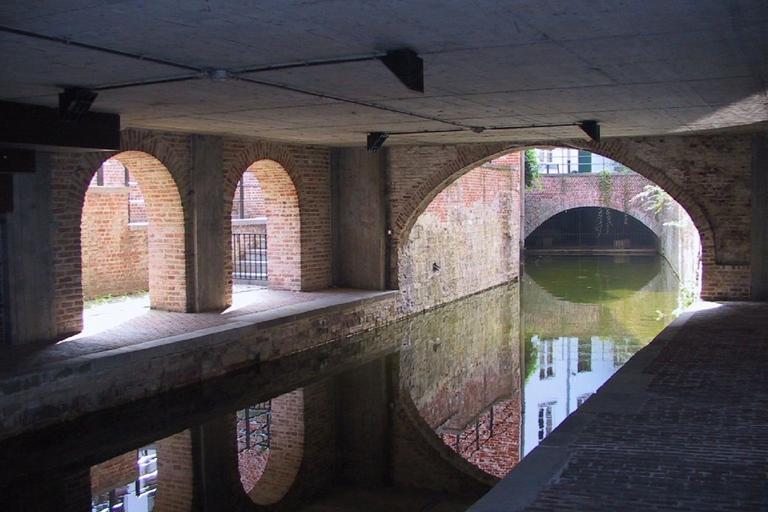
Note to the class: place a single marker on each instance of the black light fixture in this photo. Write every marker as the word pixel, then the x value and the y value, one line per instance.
pixel 75 102
pixel 591 128
pixel 406 66
pixel 375 140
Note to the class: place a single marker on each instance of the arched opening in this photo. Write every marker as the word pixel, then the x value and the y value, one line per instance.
pixel 274 207
pixel 114 234
pixel 581 202
pixel 154 478
pixel 143 239
pixel 592 229
pixel 270 445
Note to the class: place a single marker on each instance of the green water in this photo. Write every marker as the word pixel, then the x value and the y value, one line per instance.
pixel 583 317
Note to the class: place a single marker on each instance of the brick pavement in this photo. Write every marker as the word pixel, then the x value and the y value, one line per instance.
pixel 683 427
pixel 130 329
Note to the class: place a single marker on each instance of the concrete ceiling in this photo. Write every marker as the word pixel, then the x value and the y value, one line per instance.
pixel 638 67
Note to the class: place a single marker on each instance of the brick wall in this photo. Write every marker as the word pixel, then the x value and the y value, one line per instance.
pixel 295 181
pixel 114 254
pixel 466 239
pixel 174 473
pixel 113 473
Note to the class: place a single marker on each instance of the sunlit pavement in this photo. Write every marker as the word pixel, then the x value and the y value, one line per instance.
pixel 682 426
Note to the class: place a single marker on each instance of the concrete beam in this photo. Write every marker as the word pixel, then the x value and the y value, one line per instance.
pixel 359 218
pixel 759 225
pixel 36 127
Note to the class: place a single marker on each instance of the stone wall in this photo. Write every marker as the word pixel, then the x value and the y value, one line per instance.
pixel 466 240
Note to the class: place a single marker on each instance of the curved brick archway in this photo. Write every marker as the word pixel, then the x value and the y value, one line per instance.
pixel 283 225
pixel 651 158
pixel 298 232
pixel 268 477
pixel 561 193
pixel 165 230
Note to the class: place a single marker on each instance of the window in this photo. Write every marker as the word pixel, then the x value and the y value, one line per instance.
pixel 585 355
pixel 545 419
pixel 546 359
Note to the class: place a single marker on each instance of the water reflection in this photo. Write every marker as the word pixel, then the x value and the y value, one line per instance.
pixel 584 317
pixel 448 382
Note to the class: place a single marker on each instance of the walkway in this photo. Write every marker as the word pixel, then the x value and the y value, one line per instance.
pixel 682 426
pixel 122 324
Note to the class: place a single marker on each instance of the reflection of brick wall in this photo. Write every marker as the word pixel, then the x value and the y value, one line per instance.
pixel 174 473
pixel 114 254
pixel 499 442
pixel 113 473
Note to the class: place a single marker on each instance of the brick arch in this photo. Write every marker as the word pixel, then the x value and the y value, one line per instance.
pixel 71 176
pixel 406 211
pixel 268 480
pixel 277 173
pixel 621 151
pixel 165 230
pixel 559 195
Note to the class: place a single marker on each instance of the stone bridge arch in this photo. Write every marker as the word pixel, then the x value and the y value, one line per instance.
pixel 569 191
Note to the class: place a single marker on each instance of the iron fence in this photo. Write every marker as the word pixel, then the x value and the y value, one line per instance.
pixel 249 258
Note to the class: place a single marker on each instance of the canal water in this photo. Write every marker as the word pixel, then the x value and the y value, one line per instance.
pixel 491 375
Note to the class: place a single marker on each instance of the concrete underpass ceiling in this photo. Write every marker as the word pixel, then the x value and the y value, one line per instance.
pixel 638 67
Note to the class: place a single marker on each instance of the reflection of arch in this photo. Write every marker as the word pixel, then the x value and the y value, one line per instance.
pixel 277 471
pixel 174 473
pixel 165 232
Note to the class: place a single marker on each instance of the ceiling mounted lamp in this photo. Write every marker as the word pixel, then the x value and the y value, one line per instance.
pixel 75 102
pixel 375 141
pixel 591 128
pixel 407 67
pixel 219 75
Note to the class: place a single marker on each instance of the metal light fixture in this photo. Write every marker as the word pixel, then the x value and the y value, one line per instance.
pixel 75 102
pixel 375 140
pixel 591 128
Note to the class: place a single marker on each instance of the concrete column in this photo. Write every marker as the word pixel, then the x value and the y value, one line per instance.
pixel 359 218
pixel 364 441
pixel 208 245
pixel 28 278
pixel 215 466
pixel 759 235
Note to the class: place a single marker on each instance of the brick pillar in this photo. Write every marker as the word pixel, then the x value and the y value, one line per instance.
pixel 28 271
pixel 759 235
pixel 207 237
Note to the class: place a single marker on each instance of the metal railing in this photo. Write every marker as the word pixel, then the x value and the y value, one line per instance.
pixel 494 422
pixel 253 424
pixel 249 258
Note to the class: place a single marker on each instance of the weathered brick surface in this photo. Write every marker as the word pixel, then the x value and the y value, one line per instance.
pixel 696 443
pixel 465 240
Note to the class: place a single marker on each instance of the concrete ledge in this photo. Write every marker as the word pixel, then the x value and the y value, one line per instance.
pixel 40 394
